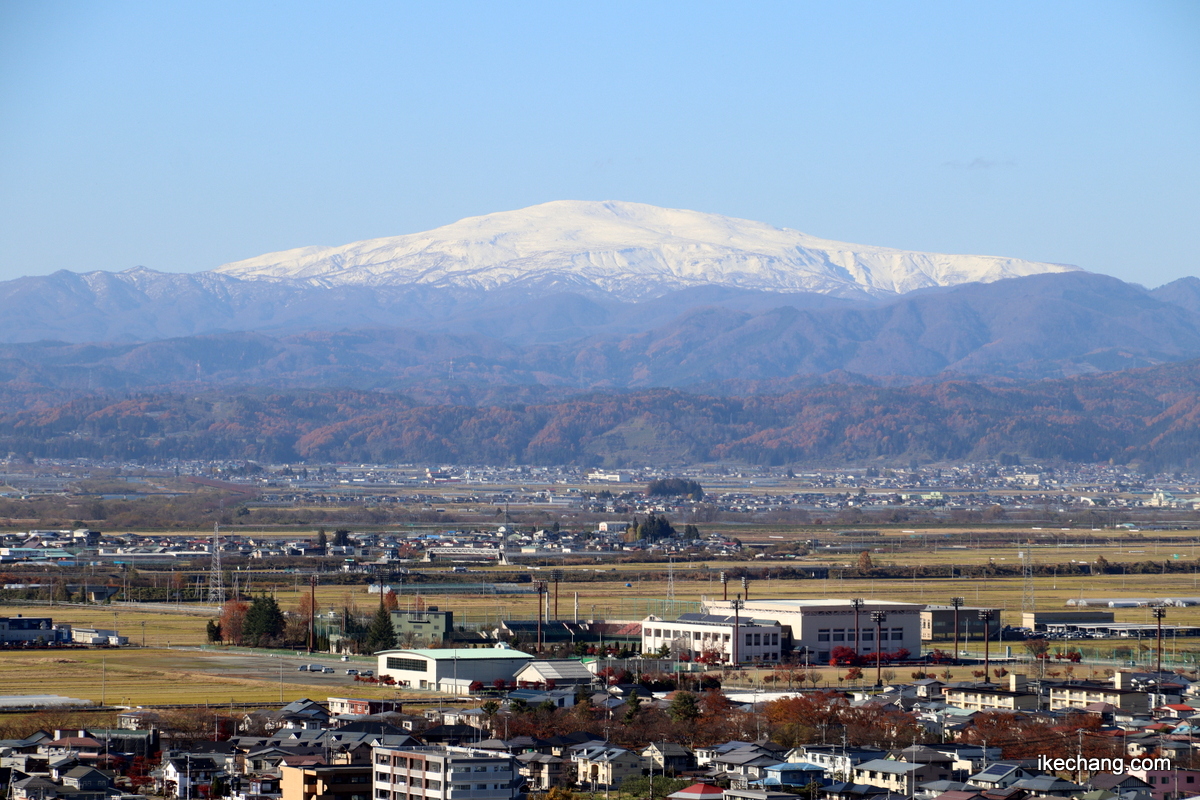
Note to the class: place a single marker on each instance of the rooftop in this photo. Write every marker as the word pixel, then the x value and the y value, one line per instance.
pixel 464 654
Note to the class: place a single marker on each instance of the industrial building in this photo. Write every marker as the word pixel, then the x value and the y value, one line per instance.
pixel 452 670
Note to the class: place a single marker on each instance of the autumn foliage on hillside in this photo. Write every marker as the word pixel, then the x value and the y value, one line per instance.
pixel 1151 416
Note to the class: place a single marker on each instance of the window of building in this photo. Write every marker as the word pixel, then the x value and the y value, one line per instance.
pixel 897 634
pixel 381 759
pixel 839 634
pixel 481 767
pixel 382 794
pixel 409 664
pixel 823 635
pixel 868 636
pixel 379 776
pixel 430 783
pixel 774 638
pixel 481 787
pixel 433 766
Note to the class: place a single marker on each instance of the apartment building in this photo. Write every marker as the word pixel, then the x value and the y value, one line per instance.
pixel 444 773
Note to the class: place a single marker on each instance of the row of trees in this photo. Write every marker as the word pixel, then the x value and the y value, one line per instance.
pixel 261 623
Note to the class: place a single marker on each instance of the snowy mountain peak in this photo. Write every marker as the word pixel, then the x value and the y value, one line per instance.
pixel 631 250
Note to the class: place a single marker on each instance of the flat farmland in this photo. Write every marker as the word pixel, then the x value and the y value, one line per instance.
pixel 172 667
pixel 152 676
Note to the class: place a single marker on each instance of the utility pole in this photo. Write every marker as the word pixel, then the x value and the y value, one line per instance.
pixel 878 617
pixel 858 604
pixel 312 612
pixel 957 602
pixel 986 616
pixel 1159 612
pixel 737 629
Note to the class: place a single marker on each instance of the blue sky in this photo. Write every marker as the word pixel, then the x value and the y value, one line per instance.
pixel 181 136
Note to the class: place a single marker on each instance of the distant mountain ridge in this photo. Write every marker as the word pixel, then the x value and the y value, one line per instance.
pixel 1026 328
pixel 632 250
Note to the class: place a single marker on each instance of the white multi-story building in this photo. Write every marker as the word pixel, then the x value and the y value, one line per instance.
pixel 819 626
pixel 710 638
pixel 444 773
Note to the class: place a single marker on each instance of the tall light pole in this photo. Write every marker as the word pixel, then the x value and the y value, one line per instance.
pixel 540 586
pixel 1159 612
pixel 986 616
pixel 724 587
pixel 878 617
pixel 737 630
pixel 858 603
pixel 746 586
pixel 957 602
pixel 556 575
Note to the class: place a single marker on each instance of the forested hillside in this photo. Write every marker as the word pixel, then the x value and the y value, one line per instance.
pixel 1150 416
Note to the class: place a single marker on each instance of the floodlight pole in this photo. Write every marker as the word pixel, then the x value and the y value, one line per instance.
pixel 986 616
pixel 878 617
pixel 737 630
pixel 957 602
pixel 857 603
pixel 1159 612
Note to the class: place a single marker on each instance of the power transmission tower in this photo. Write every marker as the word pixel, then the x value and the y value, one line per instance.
pixel 216 577
pixel 1028 596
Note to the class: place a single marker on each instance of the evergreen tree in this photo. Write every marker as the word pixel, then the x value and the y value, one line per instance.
pixel 213 631
pixel 323 541
pixel 264 621
pixel 684 707
pixel 380 634
pixel 632 706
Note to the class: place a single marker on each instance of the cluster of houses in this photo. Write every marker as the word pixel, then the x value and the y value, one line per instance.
pixel 369 749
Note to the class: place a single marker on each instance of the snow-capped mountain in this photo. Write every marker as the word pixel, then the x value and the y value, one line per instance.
pixel 631 250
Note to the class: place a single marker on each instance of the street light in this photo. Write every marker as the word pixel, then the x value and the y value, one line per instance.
pixel 957 602
pixel 878 617
pixel 986 616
